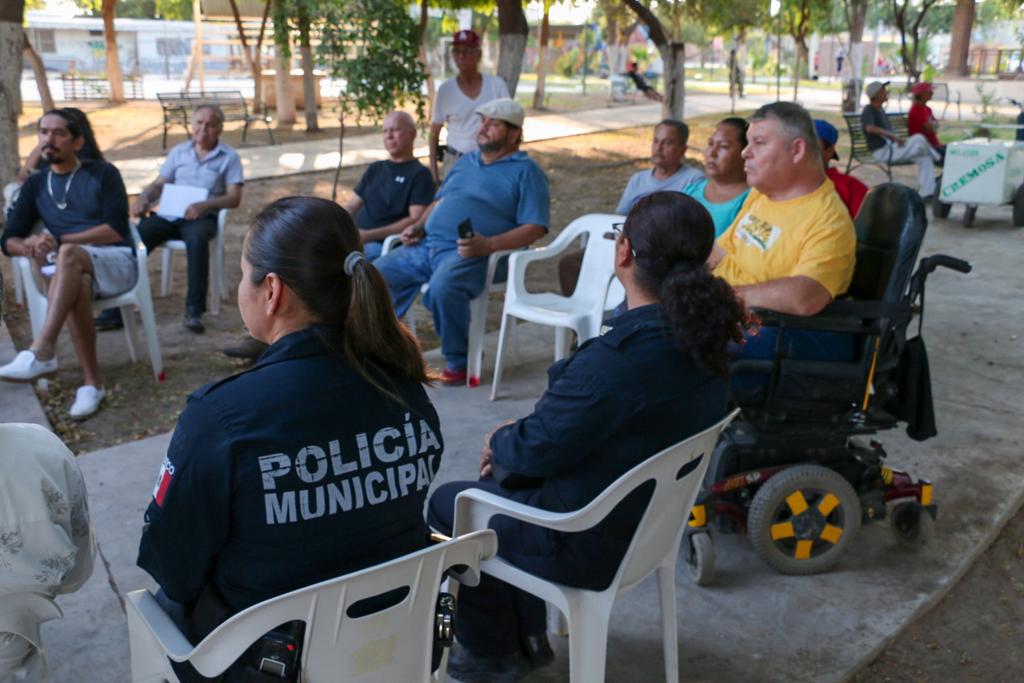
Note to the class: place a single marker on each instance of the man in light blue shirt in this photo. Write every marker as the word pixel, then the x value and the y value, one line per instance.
pixel 207 163
pixel 668 149
pixel 504 196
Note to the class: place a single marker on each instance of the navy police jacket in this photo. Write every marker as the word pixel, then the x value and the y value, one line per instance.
pixel 293 472
pixel 622 397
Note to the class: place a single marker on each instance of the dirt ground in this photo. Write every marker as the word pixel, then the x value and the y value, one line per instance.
pixel 974 633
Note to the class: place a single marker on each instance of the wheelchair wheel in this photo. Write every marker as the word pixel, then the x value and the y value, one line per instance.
pixel 940 209
pixel 912 526
pixel 802 519
pixel 699 553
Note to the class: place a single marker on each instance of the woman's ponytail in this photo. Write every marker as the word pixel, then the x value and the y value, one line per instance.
pixel 672 236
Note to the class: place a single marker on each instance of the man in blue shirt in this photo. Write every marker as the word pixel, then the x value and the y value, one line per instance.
pixel 86 243
pixel 394 192
pixel 204 162
pixel 669 172
pixel 505 196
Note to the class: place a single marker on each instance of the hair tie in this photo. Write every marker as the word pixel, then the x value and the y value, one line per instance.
pixel 351 260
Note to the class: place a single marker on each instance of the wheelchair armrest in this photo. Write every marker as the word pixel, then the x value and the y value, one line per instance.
pixel 844 315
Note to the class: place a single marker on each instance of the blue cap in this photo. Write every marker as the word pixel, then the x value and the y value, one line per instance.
pixel 827 133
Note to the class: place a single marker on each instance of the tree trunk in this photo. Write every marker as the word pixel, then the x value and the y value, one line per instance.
pixel 853 77
pixel 308 77
pixel 960 38
pixel 40 74
pixel 674 57
pixel 11 13
pixel 424 8
pixel 513 29
pixel 253 60
pixel 800 68
pixel 283 88
pixel 542 61
pixel 113 59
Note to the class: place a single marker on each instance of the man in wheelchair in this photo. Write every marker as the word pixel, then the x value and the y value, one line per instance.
pixel 819 371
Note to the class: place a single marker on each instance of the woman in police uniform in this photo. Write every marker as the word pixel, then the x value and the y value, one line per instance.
pixel 654 377
pixel 313 463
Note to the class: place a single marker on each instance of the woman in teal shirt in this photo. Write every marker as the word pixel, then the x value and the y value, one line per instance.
pixel 725 188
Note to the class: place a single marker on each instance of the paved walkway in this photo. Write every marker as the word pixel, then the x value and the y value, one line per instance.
pixel 321 155
pixel 819 628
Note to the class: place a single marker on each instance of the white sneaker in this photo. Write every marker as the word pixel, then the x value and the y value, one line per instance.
pixel 87 402
pixel 26 367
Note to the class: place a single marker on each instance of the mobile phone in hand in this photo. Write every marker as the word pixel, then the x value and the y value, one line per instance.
pixel 466 229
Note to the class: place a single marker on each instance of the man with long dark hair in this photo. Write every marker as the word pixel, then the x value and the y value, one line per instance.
pixel 86 250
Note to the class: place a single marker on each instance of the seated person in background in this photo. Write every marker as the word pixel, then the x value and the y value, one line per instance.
pixel 46 540
pixel 921 120
pixel 35 162
pixel 392 193
pixel 725 188
pixel 668 152
pixel 207 163
pixel 849 189
pixel 85 210
pixel 886 146
pixel 505 195
pixel 254 497
pixel 653 378
pixel 633 71
pixel 792 247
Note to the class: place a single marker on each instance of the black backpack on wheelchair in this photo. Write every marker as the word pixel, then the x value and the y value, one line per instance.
pixel 795 471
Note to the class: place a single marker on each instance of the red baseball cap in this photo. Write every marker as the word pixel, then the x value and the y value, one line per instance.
pixel 922 88
pixel 466 38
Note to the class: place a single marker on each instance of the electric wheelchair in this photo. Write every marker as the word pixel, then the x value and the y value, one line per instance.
pixel 797 471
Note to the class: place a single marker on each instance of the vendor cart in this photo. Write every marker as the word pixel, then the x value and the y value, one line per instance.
pixel 982 171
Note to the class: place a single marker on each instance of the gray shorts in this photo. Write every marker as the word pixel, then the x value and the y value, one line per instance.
pixel 114 269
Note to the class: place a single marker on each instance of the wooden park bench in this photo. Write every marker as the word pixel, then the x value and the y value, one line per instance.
pixel 860 153
pixel 178 107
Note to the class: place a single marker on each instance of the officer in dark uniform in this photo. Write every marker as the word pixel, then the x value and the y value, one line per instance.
pixel 654 377
pixel 316 461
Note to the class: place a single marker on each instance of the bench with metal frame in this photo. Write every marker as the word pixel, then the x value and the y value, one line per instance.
pixel 861 154
pixel 178 107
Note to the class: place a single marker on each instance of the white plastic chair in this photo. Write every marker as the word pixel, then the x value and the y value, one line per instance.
pixel 654 548
pixel 138 296
pixel 394 644
pixel 581 312
pixel 218 288
pixel 477 311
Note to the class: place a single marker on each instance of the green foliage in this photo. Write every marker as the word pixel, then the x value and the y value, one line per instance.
pixel 374 46
pixel 139 9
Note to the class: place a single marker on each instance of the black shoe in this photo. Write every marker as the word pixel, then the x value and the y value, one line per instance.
pixel 109 319
pixel 248 349
pixel 538 650
pixel 471 668
pixel 194 323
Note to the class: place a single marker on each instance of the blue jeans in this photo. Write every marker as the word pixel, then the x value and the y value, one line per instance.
pixel 454 282
pixel 372 250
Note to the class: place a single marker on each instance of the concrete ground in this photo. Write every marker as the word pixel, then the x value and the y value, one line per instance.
pixel 819 628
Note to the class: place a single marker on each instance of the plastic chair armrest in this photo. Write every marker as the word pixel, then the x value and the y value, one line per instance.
pixel 474 509
pixel 160 625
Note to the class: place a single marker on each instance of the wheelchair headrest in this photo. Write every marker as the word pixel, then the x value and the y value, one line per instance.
pixel 890 228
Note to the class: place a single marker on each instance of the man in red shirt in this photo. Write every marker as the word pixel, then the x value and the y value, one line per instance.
pixel 920 118
pixel 849 189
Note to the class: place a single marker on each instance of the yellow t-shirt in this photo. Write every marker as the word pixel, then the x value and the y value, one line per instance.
pixel 811 235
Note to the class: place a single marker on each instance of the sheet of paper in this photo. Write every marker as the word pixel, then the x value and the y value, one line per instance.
pixel 176 198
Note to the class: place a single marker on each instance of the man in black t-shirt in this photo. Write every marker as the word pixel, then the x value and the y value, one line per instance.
pixel 393 193
pixel 86 251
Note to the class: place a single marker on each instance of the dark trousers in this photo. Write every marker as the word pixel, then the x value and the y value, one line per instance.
pixel 494 617
pixel 196 235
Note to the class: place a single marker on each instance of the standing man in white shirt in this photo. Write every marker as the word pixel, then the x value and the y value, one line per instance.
pixel 457 101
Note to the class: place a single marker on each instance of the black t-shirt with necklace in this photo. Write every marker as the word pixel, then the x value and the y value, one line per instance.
pixel 71 202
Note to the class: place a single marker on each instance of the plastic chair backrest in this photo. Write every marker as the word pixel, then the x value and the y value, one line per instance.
pixel 678 472
pixel 598 267
pixel 890 228
pixel 393 644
